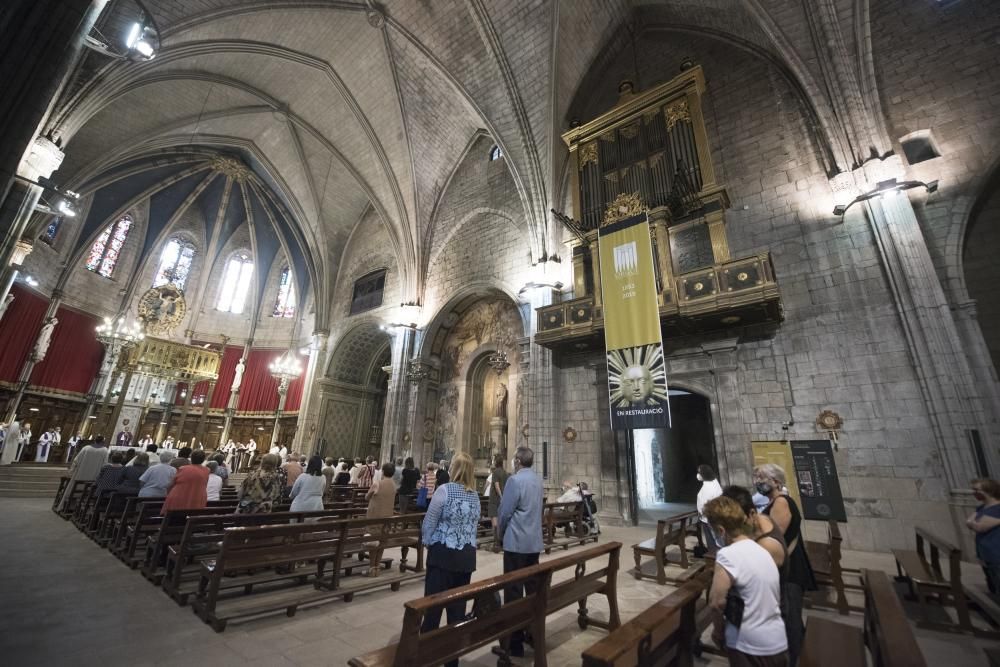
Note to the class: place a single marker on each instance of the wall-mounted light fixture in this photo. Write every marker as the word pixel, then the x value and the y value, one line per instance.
pixel 140 43
pixel 53 200
pixel 887 188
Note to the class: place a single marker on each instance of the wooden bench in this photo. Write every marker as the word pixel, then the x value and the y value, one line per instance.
pixel 76 493
pixel 490 621
pixel 171 529
pixel 571 518
pixel 887 633
pixel 138 532
pixel 663 634
pixel 63 486
pixel 371 538
pixel 290 548
pixel 108 517
pixel 927 577
pixel 202 538
pixel 122 524
pixel 670 531
pixel 825 560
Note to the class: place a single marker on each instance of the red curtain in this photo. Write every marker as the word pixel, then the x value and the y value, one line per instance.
pixel 294 400
pixel 227 371
pixel 74 356
pixel 18 330
pixel 259 391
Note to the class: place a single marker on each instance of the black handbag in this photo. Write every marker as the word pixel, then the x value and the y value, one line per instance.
pixel 733 611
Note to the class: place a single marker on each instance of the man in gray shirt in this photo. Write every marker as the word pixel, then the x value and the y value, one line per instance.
pixel 520 524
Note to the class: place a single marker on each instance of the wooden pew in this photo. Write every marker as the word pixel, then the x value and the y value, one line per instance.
pixel 670 531
pixel 84 505
pixel 663 634
pixel 170 532
pixel 927 578
pixel 825 560
pixel 287 547
pixel 121 525
pixel 887 633
pixel 146 525
pixel 76 493
pixel 202 538
pixel 107 518
pixel 63 486
pixel 372 537
pixel 491 621
pixel 569 516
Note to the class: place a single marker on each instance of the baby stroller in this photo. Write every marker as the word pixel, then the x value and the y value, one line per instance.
pixel 589 509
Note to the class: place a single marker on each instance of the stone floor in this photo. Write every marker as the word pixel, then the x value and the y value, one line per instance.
pixel 68 602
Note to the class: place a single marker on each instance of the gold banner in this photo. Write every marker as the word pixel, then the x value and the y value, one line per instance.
pixel 778 452
pixel 637 379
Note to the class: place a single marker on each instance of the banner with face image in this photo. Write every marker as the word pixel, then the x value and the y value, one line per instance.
pixel 637 377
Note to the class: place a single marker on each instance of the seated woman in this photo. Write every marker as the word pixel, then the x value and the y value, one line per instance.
pixel 307 491
pixel 213 485
pixel 746 591
pixel 261 490
pixel 109 475
pixel 190 488
pixel 343 477
pixel 157 479
pixel 129 481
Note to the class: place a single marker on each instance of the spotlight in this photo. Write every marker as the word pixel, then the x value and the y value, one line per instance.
pixel 31 281
pixel 886 189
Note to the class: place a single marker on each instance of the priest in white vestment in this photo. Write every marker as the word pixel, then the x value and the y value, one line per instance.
pixel 71 446
pixel 44 446
pixel 11 443
pixel 25 438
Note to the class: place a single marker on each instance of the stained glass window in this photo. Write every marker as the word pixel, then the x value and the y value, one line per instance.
pixel 495 153
pixel 49 235
pixel 285 304
pixel 108 247
pixel 236 284
pixel 175 263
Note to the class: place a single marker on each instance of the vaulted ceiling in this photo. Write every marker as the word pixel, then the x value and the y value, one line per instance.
pixel 344 105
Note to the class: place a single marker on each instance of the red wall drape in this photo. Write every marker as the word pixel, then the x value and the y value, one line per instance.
pixel 18 330
pixel 227 370
pixel 259 391
pixel 294 400
pixel 74 356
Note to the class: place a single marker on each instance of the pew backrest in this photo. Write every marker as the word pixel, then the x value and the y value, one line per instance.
pixel 888 633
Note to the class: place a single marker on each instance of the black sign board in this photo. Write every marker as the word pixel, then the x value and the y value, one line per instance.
pixel 819 486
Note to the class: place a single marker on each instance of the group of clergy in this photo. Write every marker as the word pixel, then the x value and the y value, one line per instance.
pixel 15 436
pixel 239 455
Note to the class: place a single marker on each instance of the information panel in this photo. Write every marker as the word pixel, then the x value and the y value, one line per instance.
pixel 819 486
pixel 779 453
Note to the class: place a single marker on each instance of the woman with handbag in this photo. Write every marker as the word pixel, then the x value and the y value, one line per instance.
pixel 746 589
pixel 449 532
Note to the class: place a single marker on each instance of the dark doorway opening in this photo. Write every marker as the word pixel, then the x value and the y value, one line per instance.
pixel 667 460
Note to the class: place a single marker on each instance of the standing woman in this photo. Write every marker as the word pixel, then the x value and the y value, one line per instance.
pixel 449 531
pixel 190 488
pixel 261 490
pixel 307 491
pixel 797 575
pixel 429 480
pixel 746 590
pixel 985 521
pixel 498 480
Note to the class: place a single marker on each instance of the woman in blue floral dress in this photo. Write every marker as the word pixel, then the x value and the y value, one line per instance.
pixel 449 533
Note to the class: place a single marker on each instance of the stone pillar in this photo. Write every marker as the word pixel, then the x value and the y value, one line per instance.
pixel 984 374
pixel 164 429
pixel 202 420
pixel 189 394
pixel 44 39
pixel 234 398
pixel 122 395
pixel 397 402
pixel 309 408
pixel 282 395
pixel 540 398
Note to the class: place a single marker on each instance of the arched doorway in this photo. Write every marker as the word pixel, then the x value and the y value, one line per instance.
pixel 667 460
pixel 353 393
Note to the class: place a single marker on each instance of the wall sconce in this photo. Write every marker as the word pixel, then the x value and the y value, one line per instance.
pixel 540 276
pixel 54 200
pixel 887 188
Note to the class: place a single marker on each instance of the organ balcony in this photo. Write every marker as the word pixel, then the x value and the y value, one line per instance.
pixel 650 153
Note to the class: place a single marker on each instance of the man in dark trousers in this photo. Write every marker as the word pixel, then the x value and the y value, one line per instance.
pixel 520 524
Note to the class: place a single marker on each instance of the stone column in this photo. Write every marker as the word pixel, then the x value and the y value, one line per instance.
pixel 397 401
pixel 122 395
pixel 189 394
pixel 310 406
pixel 164 430
pixel 45 40
pixel 234 397
pixel 202 420
pixel 282 395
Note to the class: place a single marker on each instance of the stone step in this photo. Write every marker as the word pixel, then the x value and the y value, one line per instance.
pixel 24 493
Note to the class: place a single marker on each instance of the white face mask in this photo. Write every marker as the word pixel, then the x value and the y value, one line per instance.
pixel 699 477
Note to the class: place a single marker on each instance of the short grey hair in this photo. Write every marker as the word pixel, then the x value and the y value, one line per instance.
pixel 770 471
pixel 166 457
pixel 212 466
pixel 525 456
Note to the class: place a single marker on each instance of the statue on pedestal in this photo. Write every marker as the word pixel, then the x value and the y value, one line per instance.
pixel 44 338
pixel 500 400
pixel 238 377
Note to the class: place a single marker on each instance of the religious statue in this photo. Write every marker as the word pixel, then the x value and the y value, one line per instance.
pixel 44 338
pixel 238 377
pixel 5 304
pixel 500 401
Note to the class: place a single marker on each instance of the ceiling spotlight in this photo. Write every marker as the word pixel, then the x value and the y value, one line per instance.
pixel 31 281
pixel 140 44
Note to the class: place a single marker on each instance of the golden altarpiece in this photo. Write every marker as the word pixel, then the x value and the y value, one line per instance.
pixel 651 152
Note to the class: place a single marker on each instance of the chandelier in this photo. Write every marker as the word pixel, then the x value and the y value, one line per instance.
pixel 118 335
pixel 285 368
pixel 498 361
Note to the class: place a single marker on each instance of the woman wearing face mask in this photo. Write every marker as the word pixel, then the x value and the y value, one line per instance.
pixel 710 489
pixel 797 575
pixel 985 521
